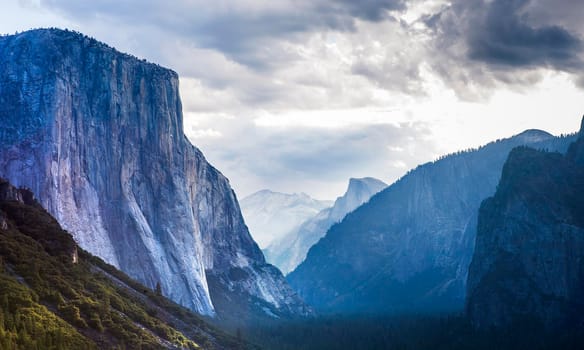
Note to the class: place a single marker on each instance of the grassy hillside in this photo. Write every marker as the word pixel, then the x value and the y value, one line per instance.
pixel 53 295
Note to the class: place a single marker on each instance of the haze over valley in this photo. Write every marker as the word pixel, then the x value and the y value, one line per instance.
pixel 292 175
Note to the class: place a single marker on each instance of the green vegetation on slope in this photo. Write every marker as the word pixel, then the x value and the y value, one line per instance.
pixel 50 301
pixel 26 324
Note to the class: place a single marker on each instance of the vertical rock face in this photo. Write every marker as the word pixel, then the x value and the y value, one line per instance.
pixel 290 250
pixel 98 135
pixel 409 247
pixel 576 150
pixel 528 260
pixel 358 192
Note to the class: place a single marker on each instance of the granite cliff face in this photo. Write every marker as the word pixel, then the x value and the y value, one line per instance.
pixel 98 136
pixel 409 248
pixel 529 256
pixel 290 250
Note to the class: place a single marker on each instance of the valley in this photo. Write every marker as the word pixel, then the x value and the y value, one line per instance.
pixel 116 232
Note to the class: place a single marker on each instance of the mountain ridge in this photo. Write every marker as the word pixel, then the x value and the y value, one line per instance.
pixel 530 243
pixel 415 238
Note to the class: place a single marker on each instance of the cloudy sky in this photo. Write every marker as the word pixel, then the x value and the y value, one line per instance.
pixel 301 95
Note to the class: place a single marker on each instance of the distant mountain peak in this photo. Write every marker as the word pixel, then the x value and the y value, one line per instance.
pixel 534 135
pixel 365 181
pixel 288 251
pixel 271 215
pixel 358 192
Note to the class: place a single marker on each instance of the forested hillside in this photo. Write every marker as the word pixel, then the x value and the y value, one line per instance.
pixel 54 295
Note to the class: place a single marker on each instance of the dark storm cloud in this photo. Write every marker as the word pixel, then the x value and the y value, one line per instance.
pixel 505 38
pixel 371 10
pixel 241 30
pixel 479 45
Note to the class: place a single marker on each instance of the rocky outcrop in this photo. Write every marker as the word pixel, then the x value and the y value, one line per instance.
pixel 11 193
pixel 408 249
pixel 290 250
pixel 529 254
pixel 7 192
pixel 98 136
